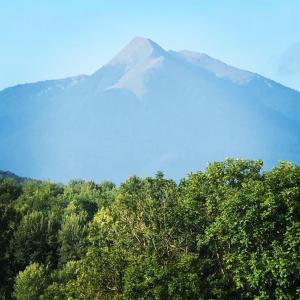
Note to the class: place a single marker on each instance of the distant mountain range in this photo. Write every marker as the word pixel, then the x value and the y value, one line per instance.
pixel 148 109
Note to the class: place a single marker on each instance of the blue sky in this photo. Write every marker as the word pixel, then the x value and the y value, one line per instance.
pixel 53 39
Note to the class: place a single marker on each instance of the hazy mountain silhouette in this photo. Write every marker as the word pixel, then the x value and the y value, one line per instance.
pixel 146 110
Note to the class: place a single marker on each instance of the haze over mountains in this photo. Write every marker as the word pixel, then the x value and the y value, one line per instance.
pixel 146 110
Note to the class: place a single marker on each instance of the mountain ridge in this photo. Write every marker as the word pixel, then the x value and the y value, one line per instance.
pixel 147 109
pixel 8 174
pixel 138 39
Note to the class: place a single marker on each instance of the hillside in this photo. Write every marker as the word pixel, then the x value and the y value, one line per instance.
pixel 7 174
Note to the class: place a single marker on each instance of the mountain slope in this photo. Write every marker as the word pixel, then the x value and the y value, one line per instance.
pixel 147 109
pixel 7 174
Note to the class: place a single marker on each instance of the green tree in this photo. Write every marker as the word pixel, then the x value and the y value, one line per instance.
pixel 72 234
pixel 31 282
pixel 33 239
pixel 9 218
pixel 61 285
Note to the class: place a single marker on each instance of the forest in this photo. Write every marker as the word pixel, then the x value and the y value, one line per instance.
pixel 231 231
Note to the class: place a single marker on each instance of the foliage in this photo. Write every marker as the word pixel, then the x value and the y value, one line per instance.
pixel 31 282
pixel 229 232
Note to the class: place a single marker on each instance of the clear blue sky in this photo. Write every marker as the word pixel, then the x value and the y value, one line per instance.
pixel 57 38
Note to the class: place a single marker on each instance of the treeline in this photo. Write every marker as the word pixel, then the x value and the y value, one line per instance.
pixel 231 232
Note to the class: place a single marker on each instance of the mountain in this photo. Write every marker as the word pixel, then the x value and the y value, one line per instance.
pixel 147 109
pixel 7 174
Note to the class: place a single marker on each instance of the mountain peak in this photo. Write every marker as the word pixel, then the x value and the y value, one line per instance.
pixel 147 110
pixel 137 52
pixel 140 40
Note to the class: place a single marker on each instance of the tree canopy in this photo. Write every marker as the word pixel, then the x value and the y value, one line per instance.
pixel 229 232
